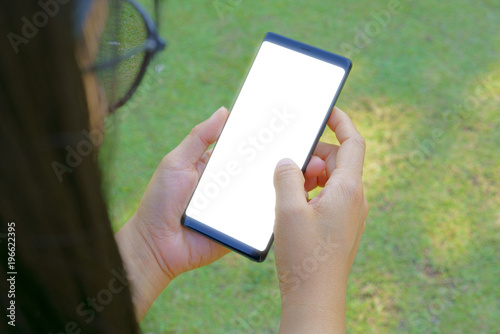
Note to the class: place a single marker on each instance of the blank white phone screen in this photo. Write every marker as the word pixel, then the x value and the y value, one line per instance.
pixel 278 114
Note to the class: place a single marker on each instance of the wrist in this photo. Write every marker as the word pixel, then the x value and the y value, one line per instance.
pixel 306 319
pixel 315 307
pixel 146 277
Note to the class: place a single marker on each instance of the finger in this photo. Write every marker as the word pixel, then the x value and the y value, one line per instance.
pixel 315 167
pixel 311 184
pixel 351 154
pixel 202 163
pixel 321 165
pixel 322 179
pixel 316 178
pixel 289 186
pixel 204 158
pixel 324 150
pixel 191 149
pixel 327 152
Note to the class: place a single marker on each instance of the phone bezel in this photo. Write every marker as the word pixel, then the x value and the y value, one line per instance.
pixel 224 239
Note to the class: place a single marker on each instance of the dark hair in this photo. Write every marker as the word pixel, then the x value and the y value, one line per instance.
pixel 70 275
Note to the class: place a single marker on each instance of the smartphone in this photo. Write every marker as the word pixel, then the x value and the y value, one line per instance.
pixel 280 112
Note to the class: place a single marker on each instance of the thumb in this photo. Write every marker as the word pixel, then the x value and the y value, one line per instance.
pixel 190 150
pixel 289 186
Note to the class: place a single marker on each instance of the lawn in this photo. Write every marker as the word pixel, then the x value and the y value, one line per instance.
pixel 424 92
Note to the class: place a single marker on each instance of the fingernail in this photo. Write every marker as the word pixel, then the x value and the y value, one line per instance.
pixel 215 113
pixel 285 161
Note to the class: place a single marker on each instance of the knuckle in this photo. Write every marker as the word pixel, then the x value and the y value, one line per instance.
pixel 195 130
pixel 198 136
pixel 359 142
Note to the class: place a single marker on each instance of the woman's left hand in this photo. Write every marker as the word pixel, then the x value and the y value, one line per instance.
pixel 158 217
pixel 155 248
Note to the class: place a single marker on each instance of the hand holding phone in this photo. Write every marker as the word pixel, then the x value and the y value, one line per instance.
pixel 281 111
pixel 315 241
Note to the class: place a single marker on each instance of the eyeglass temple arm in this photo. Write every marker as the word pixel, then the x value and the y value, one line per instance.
pixel 157 14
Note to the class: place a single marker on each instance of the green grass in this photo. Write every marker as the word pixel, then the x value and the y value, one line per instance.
pixel 429 260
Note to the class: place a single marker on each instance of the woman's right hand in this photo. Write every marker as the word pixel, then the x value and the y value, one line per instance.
pixel 315 241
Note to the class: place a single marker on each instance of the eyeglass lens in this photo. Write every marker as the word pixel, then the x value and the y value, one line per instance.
pixel 125 31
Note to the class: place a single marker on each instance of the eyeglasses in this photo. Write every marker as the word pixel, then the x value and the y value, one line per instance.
pixel 128 44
